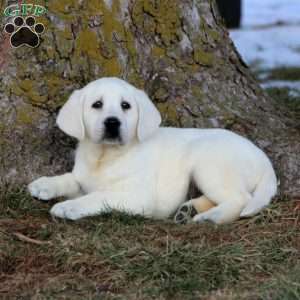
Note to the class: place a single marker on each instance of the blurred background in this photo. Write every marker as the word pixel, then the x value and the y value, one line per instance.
pixel 267 35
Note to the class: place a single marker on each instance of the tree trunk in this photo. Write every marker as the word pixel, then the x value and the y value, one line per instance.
pixel 178 51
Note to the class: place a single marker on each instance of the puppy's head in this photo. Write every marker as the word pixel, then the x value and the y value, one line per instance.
pixel 110 111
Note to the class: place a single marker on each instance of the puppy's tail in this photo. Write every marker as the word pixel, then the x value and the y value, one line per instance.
pixel 262 196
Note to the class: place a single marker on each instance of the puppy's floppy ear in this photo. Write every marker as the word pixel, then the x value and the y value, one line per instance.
pixel 149 117
pixel 70 116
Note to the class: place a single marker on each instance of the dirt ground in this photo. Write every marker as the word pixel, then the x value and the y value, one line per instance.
pixel 116 256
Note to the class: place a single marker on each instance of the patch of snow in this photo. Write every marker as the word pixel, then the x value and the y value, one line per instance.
pixel 295 85
pixel 294 93
pixel 261 41
pixel 270 47
pixel 267 12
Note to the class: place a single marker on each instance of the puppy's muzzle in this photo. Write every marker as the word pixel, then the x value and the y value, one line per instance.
pixel 112 128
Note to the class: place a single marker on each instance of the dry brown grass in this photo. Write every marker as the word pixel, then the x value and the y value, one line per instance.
pixel 116 256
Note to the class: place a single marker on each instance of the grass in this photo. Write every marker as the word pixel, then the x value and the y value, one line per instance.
pixel 286 99
pixel 278 73
pixel 116 256
pixel 285 73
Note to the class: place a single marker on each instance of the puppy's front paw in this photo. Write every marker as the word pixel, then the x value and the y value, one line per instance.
pixel 43 188
pixel 69 209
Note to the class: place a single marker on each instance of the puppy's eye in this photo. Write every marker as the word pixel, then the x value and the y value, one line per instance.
pixel 125 105
pixel 97 104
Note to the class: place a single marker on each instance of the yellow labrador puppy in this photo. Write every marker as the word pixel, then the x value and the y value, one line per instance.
pixel 125 161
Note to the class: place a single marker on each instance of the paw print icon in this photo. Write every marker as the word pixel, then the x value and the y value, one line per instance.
pixel 24 32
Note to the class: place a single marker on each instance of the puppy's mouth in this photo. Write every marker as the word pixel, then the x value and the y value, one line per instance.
pixel 112 140
pixel 112 137
pixel 112 128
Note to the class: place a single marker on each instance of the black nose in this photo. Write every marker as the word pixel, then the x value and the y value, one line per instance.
pixel 112 122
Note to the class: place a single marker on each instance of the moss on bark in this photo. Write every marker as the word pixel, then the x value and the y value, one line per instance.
pixel 178 51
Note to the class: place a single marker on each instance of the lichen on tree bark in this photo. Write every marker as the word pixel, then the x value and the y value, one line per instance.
pixel 178 51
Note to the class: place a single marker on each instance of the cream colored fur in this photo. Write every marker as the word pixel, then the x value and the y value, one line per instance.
pixel 149 170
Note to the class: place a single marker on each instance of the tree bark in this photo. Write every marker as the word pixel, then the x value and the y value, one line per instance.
pixel 178 51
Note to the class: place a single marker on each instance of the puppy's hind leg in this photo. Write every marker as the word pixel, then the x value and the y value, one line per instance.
pixel 226 212
pixel 192 207
pixel 202 204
